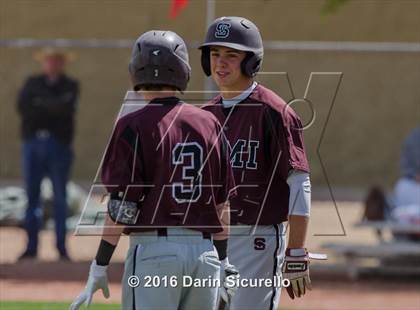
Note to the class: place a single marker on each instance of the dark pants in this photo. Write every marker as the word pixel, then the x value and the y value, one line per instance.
pixel 46 157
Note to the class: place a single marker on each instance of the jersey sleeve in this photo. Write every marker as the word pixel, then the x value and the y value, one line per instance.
pixel 284 141
pixel 26 104
pixel 121 169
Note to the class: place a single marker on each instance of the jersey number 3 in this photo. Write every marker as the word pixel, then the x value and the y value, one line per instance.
pixel 189 190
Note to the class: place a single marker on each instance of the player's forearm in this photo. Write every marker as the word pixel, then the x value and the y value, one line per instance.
pixel 223 212
pixel 110 236
pixel 298 226
pixel 112 231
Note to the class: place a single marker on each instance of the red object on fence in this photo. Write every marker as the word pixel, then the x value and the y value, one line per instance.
pixel 176 7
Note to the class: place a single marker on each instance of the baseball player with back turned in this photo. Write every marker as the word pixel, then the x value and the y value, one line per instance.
pixel 168 175
pixel 269 163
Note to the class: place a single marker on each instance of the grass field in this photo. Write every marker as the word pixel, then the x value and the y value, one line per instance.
pixel 17 305
pixel 11 305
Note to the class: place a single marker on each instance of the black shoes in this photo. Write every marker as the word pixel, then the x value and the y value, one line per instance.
pixel 64 257
pixel 27 255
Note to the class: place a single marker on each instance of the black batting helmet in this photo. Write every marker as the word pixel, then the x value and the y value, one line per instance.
pixel 160 58
pixel 238 33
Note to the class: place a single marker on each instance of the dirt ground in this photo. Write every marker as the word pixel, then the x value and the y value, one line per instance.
pixel 49 280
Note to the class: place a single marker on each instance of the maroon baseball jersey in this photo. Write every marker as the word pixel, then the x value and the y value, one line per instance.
pixel 172 158
pixel 266 142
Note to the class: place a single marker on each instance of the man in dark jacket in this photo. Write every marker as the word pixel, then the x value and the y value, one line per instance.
pixel 47 104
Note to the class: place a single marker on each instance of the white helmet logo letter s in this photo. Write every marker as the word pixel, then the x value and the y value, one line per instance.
pixel 222 30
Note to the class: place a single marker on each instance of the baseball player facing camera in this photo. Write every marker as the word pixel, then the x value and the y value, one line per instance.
pixel 270 167
pixel 168 174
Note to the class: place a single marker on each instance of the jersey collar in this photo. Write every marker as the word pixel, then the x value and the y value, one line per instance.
pixel 228 103
pixel 166 100
pixel 138 98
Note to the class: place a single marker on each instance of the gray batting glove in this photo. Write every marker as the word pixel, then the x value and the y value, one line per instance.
pixel 98 279
pixel 229 276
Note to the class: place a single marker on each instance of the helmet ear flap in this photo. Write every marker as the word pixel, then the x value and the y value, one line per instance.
pixel 131 70
pixel 205 60
pixel 251 64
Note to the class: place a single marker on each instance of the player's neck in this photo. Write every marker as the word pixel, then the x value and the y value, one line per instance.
pixel 150 95
pixel 231 91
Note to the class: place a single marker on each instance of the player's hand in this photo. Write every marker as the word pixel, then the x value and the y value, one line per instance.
pixel 97 280
pixel 228 270
pixel 296 269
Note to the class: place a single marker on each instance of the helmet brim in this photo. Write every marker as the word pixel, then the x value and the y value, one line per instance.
pixel 234 46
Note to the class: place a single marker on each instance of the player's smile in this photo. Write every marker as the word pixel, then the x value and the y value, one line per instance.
pixel 222 74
